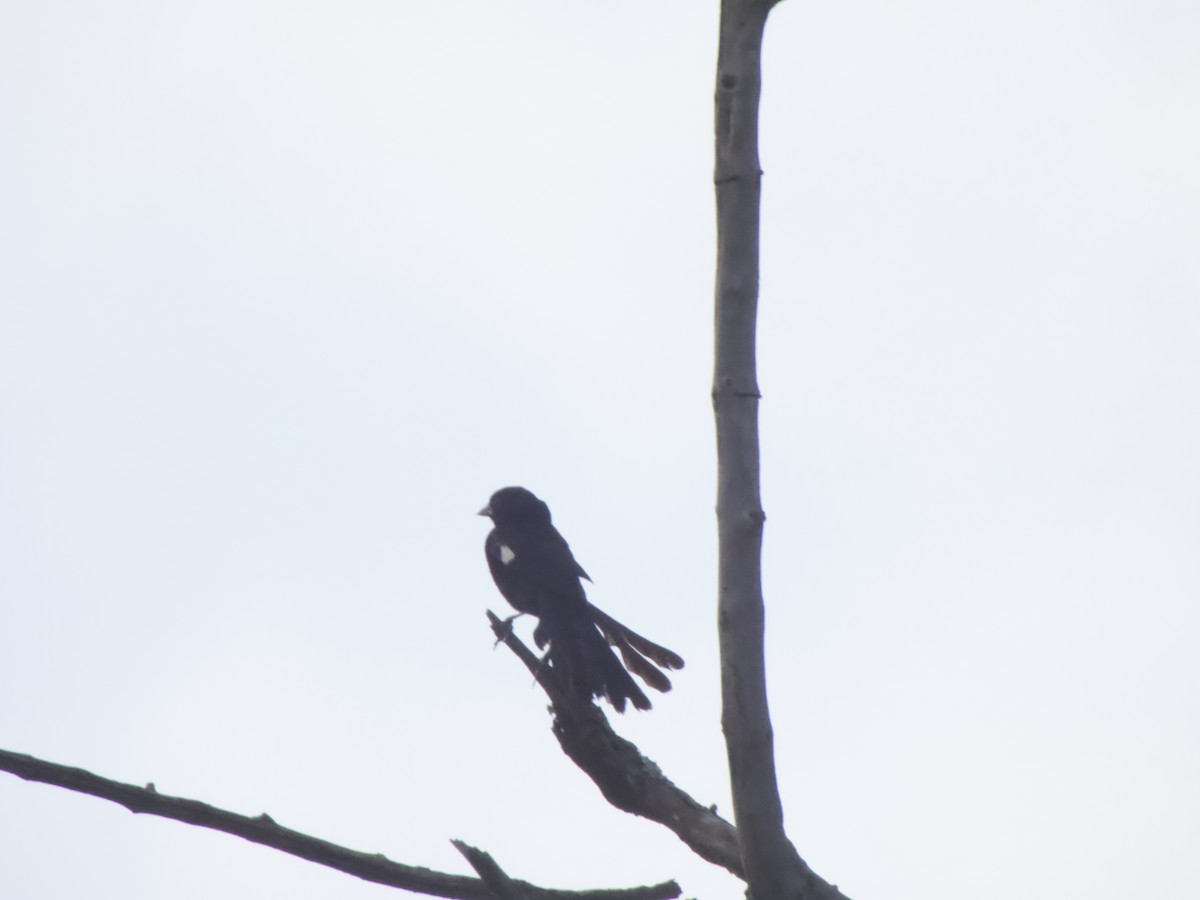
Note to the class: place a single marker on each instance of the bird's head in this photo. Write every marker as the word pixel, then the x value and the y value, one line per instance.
pixel 515 504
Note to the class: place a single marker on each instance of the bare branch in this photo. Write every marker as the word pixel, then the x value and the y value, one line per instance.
pixel 263 830
pixel 773 867
pixel 627 779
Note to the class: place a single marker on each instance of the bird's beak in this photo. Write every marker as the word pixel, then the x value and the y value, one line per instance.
pixel 486 511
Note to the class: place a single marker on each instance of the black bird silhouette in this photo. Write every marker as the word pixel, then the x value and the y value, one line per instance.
pixel 534 569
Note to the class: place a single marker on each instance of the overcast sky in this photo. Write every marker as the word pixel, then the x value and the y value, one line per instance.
pixel 288 289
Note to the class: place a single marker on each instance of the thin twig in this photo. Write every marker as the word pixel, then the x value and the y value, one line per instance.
pixel 489 872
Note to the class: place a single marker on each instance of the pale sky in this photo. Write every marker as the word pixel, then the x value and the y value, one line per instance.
pixel 287 290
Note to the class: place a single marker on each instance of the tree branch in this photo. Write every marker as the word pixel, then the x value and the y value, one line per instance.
pixel 263 830
pixel 773 867
pixel 628 780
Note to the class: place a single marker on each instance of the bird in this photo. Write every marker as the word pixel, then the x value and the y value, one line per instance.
pixel 535 571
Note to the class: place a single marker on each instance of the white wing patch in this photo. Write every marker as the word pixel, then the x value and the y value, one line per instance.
pixel 506 554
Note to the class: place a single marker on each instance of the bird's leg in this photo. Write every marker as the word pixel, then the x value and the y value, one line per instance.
pixel 507 626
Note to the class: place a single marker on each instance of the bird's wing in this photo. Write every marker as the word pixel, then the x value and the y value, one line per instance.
pixel 536 571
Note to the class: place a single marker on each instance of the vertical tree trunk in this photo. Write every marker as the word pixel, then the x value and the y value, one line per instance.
pixel 773 868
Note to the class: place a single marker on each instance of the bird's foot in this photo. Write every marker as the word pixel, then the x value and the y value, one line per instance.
pixel 506 627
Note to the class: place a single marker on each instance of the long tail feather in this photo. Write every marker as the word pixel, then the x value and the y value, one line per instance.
pixel 583 658
pixel 618 634
pixel 640 666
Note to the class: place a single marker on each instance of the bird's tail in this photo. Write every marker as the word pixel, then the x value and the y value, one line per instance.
pixel 582 657
pixel 642 656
